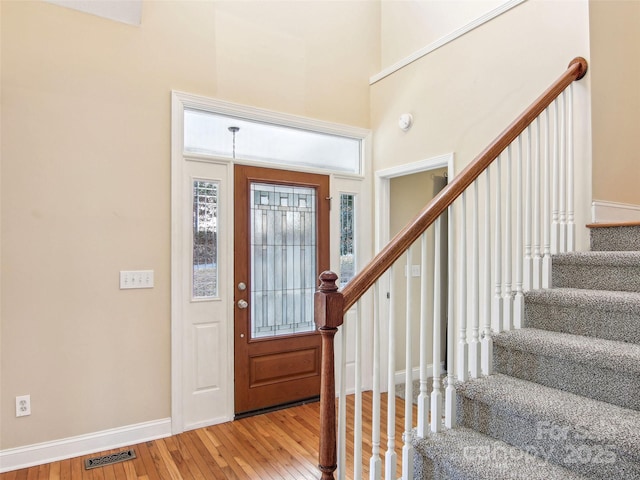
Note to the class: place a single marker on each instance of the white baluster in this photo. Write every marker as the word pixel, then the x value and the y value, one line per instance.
pixel 423 397
pixel 546 224
pixel 571 226
pixel 528 195
pixel 518 299
pixel 463 348
pixel 391 459
pixel 487 344
pixel 555 220
pixel 507 302
pixel 357 422
pixel 562 243
pixel 375 463
pixel 450 392
pixel 407 448
pixel 497 296
pixel 537 251
pixel 436 395
pixel 342 405
pixel 474 344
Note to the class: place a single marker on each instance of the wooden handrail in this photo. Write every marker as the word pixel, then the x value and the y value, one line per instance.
pixel 410 233
pixel 330 305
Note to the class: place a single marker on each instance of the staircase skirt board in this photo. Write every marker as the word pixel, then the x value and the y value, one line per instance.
pixel 564 401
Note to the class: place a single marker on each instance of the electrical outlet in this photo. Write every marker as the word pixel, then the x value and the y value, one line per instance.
pixel 23 405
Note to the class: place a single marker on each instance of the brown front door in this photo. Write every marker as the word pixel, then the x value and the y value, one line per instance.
pixel 281 246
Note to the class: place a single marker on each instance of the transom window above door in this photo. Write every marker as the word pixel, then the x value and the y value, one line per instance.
pixel 234 137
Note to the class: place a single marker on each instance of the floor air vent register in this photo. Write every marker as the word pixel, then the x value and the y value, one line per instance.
pixel 109 459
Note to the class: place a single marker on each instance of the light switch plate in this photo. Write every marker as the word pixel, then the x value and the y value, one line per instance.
pixel 136 279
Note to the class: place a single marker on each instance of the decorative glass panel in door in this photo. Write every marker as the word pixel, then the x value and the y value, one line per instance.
pixel 283 259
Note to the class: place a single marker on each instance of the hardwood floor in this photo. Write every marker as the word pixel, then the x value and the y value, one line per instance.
pixel 281 445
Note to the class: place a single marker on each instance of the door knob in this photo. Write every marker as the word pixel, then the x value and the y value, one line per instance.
pixel 242 304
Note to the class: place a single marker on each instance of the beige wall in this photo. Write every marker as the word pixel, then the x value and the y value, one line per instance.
pixel 409 25
pixel 86 180
pixel 615 79
pixel 465 93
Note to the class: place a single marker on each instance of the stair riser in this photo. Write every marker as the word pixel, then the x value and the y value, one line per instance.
pixel 566 445
pixel 462 454
pixel 589 322
pixel 598 277
pixel 615 239
pixel 588 380
pixel 426 468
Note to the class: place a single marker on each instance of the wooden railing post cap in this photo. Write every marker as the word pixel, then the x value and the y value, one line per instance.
pixel 584 66
pixel 328 302
pixel 328 282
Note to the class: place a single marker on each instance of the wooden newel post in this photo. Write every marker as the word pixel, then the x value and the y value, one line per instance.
pixel 328 314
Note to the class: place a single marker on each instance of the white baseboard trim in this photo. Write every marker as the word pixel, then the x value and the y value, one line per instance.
pixel 612 212
pixel 415 373
pixel 46 452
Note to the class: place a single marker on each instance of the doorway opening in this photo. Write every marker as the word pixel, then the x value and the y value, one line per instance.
pixel 402 192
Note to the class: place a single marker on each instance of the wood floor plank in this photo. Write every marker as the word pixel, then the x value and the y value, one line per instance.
pixel 10 475
pixel 272 440
pixel 246 453
pixel 218 438
pixel 129 471
pixel 65 469
pixel 201 456
pixel 165 455
pixel 290 449
pixel 76 468
pixel 250 447
pixel 267 441
pixel 280 445
pixel 21 474
pixel 215 454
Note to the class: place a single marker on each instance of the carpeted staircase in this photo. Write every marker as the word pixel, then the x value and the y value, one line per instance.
pixel 564 402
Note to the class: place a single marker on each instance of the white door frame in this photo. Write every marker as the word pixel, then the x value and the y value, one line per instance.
pixel 383 189
pixel 179 102
pixel 383 218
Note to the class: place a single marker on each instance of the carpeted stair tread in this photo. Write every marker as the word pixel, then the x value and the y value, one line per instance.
pixel 597 271
pixel 465 454
pixel 608 424
pixel 601 258
pixel 627 302
pixel 619 356
pixel 604 370
pixel 592 313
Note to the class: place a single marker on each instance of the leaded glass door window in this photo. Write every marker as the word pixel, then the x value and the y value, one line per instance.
pixel 283 259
